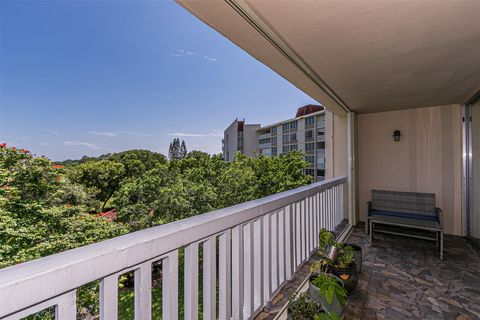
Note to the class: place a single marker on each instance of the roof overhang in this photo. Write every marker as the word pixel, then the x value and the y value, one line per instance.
pixel 365 56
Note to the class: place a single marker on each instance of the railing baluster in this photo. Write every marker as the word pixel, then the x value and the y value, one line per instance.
pixel 209 279
pixel 191 281
pixel 257 244
pixel 143 292
pixel 281 246
pixel 237 271
pixel 267 288
pixel 66 308
pixel 288 243
pixel 225 276
pixel 304 229
pixel 247 270
pixel 170 286
pixel 109 298
pixel 274 256
pixel 298 235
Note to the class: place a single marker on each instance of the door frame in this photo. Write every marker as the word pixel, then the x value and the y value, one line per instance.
pixel 467 161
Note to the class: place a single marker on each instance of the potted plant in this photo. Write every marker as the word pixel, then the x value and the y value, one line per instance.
pixel 357 255
pixel 326 238
pixel 326 288
pixel 328 291
pixel 302 307
pixel 344 268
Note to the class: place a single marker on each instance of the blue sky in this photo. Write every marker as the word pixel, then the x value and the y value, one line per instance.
pixel 87 78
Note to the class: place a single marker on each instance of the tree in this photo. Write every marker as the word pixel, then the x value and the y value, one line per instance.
pixel 35 218
pixel 177 150
pixel 183 150
pixel 137 162
pixel 160 196
pixel 101 178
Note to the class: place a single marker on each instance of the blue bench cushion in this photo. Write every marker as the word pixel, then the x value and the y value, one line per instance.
pixel 402 215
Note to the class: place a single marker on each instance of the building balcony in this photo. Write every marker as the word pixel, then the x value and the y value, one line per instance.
pixel 321 124
pixel 264 136
pixel 265 145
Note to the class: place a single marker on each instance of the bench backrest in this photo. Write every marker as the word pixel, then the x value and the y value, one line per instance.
pixel 404 202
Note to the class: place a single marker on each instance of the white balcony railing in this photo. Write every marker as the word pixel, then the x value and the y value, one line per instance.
pixel 265 145
pixel 261 244
pixel 264 136
pixel 321 124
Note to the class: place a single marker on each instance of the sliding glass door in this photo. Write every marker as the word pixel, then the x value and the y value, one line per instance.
pixel 472 122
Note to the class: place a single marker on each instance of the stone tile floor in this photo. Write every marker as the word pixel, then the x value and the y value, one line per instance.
pixel 403 278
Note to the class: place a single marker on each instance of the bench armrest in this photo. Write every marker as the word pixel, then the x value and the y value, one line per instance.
pixel 369 206
pixel 439 214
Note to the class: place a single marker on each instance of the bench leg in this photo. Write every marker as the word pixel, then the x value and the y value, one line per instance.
pixel 441 245
pixel 371 231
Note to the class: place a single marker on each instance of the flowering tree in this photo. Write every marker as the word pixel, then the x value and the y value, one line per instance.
pixel 41 211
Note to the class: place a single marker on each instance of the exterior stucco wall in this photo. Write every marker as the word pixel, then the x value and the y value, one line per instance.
pixel 426 159
pixel 336 153
pixel 250 140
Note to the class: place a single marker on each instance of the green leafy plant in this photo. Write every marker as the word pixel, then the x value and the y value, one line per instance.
pixel 330 288
pixel 325 238
pixel 345 258
pixel 302 307
pixel 327 316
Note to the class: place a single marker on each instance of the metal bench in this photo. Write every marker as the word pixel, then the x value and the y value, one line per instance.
pixel 411 210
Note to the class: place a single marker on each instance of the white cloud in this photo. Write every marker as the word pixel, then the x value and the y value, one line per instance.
pixel 52 131
pixel 210 58
pixel 43 144
pixel 133 133
pixel 182 53
pixel 83 144
pixel 103 133
pixel 213 133
pixel 42 79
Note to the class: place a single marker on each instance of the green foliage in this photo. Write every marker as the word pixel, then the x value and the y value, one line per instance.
pixel 302 307
pixel 345 257
pixel 101 178
pixel 325 238
pixel 330 288
pixel 36 215
pixel 177 150
pixel 162 195
pixel 328 316
pixel 201 183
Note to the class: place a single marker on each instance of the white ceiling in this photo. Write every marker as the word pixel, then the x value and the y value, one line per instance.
pixel 374 55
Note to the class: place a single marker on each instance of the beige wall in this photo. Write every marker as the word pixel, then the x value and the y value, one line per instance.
pixel 336 153
pixel 427 158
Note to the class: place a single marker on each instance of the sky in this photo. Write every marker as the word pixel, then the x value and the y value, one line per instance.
pixel 94 77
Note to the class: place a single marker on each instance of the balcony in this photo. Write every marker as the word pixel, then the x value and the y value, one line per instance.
pixel 264 136
pixel 262 247
pixel 258 247
pixel 265 145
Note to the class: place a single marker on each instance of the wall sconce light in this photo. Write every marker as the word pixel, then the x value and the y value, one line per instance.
pixel 396 135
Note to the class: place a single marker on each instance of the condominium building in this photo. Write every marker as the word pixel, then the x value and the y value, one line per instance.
pixel 305 132
pixel 240 137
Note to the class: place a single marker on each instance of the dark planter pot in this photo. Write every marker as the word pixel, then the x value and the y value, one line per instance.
pixel 314 292
pixel 349 277
pixel 357 254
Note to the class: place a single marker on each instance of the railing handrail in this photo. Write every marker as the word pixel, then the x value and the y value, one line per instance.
pixel 32 282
